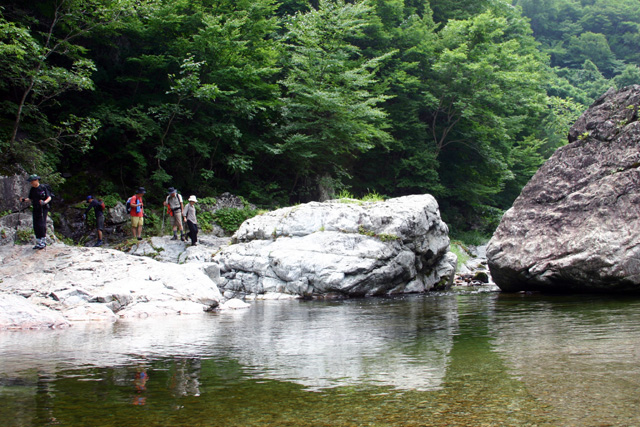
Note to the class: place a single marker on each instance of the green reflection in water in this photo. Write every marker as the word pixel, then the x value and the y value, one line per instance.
pixel 483 395
pixel 579 354
pixel 477 391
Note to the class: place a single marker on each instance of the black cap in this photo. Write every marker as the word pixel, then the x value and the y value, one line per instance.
pixel 33 178
pixel 141 190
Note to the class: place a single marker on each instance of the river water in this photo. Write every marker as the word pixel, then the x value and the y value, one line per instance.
pixel 443 359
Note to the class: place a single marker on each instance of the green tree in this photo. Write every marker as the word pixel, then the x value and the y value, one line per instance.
pixel 561 115
pixel 588 79
pixel 604 32
pixel 630 75
pixel 185 87
pixel 42 60
pixel 407 164
pixel 593 47
pixel 486 93
pixel 330 106
pixel 443 11
pixel 619 21
pixel 193 96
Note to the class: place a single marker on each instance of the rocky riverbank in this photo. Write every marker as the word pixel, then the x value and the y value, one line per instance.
pixel 62 284
pixel 315 250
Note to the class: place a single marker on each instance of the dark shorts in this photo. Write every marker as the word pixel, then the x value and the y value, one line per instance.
pixel 100 222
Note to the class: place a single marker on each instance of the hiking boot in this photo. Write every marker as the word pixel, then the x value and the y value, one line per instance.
pixel 139 238
pixel 40 244
pixel 99 243
pixel 182 238
pixel 174 237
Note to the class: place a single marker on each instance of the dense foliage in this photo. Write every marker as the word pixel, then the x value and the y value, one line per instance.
pixel 283 101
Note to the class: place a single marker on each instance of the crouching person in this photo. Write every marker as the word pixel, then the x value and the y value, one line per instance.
pixel 189 214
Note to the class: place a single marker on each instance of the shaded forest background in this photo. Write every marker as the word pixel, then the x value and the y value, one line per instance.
pixel 287 101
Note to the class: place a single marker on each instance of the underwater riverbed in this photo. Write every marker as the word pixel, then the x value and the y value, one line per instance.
pixel 443 359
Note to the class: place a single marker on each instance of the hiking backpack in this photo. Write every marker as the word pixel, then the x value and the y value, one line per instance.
pixel 49 191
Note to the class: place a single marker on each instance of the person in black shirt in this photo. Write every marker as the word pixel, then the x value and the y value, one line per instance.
pixel 98 208
pixel 39 197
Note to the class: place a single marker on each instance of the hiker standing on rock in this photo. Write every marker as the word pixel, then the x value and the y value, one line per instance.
pixel 175 207
pixel 137 213
pixel 98 208
pixel 39 196
pixel 191 220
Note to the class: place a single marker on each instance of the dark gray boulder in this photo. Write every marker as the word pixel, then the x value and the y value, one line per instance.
pixel 12 188
pixel 576 224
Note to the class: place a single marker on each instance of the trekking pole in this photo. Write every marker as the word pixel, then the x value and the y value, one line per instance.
pixel 15 234
pixel 84 229
pixel 163 212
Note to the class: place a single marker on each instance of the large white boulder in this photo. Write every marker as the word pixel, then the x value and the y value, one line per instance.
pixel 342 248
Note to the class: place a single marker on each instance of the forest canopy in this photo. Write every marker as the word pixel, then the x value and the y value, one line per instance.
pixel 290 101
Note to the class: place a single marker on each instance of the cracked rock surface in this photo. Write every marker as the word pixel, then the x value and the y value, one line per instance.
pixel 576 225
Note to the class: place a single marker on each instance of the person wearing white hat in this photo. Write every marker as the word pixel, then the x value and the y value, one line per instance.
pixel 190 218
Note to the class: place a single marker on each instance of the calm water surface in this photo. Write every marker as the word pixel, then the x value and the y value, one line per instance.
pixel 448 359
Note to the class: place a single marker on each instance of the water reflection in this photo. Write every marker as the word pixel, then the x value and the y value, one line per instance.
pixel 140 382
pixel 320 345
pixel 447 359
pixel 315 344
pixel 580 355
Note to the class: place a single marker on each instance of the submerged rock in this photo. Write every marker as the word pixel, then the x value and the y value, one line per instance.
pixel 576 224
pixel 343 249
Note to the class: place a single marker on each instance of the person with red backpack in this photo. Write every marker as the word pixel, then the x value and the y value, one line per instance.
pixel 98 208
pixel 137 213
pixel 175 207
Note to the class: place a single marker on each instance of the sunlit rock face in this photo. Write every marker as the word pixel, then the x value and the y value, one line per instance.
pixel 340 248
pixel 63 284
pixel 576 224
